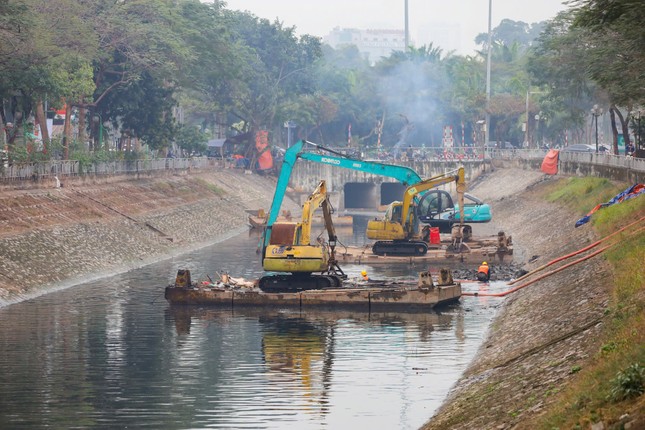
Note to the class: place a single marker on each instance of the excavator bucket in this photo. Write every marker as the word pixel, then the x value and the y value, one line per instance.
pixel 283 233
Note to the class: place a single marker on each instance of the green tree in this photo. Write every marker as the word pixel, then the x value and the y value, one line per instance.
pixel 510 32
pixel 191 139
pixel 616 55
pixel 276 66
pixel 144 109
pixel 345 77
pixel 616 37
pixel 208 83
pixel 465 97
pixel 48 59
pixel 559 65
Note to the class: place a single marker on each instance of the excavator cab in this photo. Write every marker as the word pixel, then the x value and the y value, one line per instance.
pixel 437 209
pixel 393 211
pixel 432 205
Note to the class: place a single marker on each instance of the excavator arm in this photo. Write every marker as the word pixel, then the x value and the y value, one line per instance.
pixel 404 175
pixel 412 191
pixel 313 202
pixel 397 235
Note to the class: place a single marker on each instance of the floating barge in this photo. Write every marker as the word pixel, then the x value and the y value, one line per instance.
pixel 356 255
pixel 498 250
pixel 370 296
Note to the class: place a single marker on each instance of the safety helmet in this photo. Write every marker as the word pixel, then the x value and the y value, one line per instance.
pixel 363 272
pixel 485 263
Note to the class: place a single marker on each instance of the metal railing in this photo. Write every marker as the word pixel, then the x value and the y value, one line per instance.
pixel 510 154
pixel 600 159
pixel 67 168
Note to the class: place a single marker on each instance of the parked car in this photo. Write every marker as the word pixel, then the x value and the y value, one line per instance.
pixel 579 147
pixel 499 145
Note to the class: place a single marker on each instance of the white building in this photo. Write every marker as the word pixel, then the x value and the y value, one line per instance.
pixel 373 44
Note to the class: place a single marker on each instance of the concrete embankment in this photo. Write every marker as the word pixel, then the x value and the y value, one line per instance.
pixel 54 237
pixel 543 331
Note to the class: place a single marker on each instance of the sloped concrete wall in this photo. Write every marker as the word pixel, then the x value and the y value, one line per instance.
pixel 51 238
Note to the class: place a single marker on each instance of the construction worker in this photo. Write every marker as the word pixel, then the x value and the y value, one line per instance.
pixel 483 273
pixel 364 275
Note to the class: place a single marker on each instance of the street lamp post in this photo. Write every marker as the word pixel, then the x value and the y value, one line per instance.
pixel 537 129
pixel 637 134
pixel 407 28
pixel 526 130
pixel 596 112
pixel 289 125
pixel 488 64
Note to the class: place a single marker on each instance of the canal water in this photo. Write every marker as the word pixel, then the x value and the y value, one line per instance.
pixel 113 354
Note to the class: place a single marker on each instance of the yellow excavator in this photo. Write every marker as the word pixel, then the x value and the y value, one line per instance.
pixel 397 233
pixel 291 253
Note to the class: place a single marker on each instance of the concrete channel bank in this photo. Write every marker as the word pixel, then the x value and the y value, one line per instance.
pixel 55 237
pixel 541 332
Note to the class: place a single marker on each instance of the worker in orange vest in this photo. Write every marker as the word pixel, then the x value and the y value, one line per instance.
pixel 483 273
pixel 364 275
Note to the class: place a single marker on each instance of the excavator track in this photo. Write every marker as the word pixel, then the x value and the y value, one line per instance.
pixel 297 283
pixel 400 248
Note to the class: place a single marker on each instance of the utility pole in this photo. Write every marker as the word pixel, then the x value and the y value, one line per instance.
pixel 407 28
pixel 596 111
pixel 526 132
pixel 490 41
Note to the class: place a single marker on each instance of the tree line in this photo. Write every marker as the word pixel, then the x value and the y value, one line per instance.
pixel 178 72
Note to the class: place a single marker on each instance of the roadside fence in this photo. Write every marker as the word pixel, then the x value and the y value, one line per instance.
pixel 69 168
pixel 66 168
pixel 589 158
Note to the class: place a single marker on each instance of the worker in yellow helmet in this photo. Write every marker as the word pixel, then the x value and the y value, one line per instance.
pixel 364 275
pixel 483 273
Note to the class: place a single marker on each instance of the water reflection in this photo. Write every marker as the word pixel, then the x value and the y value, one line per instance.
pixel 113 354
pixel 299 353
pixel 312 359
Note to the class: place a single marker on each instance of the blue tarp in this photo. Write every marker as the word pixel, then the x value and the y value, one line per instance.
pixel 633 191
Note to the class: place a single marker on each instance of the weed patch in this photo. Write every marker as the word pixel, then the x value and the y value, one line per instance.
pixel 211 187
pixel 628 383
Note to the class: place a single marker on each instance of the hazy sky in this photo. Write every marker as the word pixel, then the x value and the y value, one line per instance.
pixel 450 24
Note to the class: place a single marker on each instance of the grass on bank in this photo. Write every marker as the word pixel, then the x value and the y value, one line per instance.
pixel 210 186
pixel 612 383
